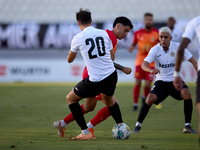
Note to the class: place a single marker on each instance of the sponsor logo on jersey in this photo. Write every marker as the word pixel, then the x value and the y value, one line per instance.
pixel 172 54
pixel 152 39
pixel 166 65
pixel 159 55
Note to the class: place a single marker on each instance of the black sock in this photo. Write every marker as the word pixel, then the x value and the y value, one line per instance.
pixel 116 113
pixel 143 112
pixel 78 115
pixel 199 141
pixel 188 107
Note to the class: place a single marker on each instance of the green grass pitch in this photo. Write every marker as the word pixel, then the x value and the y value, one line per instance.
pixel 27 113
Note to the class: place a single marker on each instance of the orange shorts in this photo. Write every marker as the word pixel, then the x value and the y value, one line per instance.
pixel 85 75
pixel 141 74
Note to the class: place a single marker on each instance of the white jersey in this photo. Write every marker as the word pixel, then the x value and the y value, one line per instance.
pixel 176 35
pixel 192 29
pixel 165 60
pixel 95 46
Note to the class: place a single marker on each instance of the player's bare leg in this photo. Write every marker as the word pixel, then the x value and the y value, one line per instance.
pixel 90 104
pixel 72 97
pixel 147 88
pixel 113 98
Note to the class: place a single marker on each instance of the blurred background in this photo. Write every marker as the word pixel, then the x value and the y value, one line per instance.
pixel 35 35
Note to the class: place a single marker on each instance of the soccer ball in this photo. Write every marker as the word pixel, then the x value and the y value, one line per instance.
pixel 121 131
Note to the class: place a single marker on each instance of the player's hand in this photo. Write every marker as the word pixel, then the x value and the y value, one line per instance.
pixel 155 71
pixel 178 83
pixel 131 48
pixel 127 70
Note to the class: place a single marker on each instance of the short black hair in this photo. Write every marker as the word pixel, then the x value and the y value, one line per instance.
pixel 84 16
pixel 148 14
pixel 123 20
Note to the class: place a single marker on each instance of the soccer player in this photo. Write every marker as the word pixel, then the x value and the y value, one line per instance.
pixel 145 39
pixel 94 45
pixel 164 55
pixel 176 32
pixel 192 29
pixel 121 27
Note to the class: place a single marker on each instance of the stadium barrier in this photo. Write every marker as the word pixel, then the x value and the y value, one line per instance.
pixel 56 70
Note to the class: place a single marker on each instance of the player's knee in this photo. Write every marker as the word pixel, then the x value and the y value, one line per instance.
pixel 186 94
pixel 150 101
pixel 151 98
pixel 69 100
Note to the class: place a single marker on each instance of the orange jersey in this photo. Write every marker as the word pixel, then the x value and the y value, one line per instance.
pixel 145 41
pixel 113 38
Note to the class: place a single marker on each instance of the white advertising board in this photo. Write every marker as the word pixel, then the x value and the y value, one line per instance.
pixel 56 70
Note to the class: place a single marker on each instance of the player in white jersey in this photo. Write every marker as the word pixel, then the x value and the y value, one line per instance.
pixel 164 54
pixel 192 29
pixel 176 32
pixel 97 51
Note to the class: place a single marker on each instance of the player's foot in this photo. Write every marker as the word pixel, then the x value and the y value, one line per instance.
pixel 83 136
pixel 143 99
pixel 188 129
pixel 135 108
pixel 92 131
pixel 136 129
pixel 159 106
pixel 61 130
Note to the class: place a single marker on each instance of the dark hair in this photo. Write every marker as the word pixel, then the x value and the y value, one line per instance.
pixel 123 20
pixel 84 16
pixel 148 14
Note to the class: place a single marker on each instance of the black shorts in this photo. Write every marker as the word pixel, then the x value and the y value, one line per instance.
pixel 86 88
pixel 198 88
pixel 164 89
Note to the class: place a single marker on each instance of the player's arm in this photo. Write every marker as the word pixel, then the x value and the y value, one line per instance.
pixel 194 63
pixel 112 55
pixel 132 47
pixel 180 53
pixel 71 56
pixel 126 70
pixel 178 83
pixel 188 36
pixel 145 67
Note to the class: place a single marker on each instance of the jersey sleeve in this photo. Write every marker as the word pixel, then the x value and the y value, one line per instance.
pixel 187 55
pixel 74 45
pixel 113 39
pixel 151 56
pixel 189 31
pixel 110 46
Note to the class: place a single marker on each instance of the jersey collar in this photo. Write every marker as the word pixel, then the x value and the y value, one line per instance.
pixel 170 46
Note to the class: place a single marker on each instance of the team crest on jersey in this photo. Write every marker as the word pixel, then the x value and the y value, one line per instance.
pixel 172 54
pixel 152 39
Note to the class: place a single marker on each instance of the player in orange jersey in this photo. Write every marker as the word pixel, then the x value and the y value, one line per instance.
pixel 121 27
pixel 145 39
